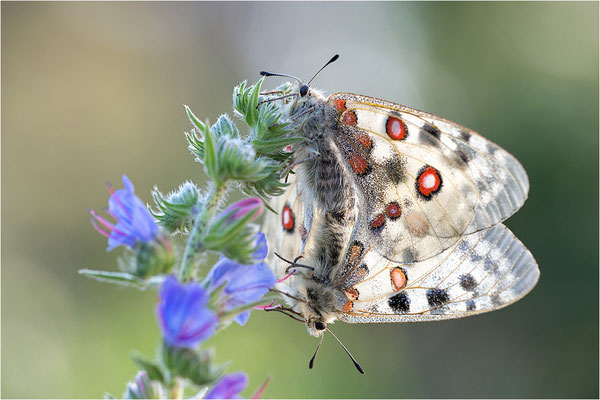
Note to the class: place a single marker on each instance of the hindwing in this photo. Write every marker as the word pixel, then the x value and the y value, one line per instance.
pixel 483 271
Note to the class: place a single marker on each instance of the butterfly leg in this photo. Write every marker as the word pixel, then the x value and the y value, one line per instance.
pixel 275 99
pixel 289 167
pixel 287 311
pixel 272 92
pixel 294 264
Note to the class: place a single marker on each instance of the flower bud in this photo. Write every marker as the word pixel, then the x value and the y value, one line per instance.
pixel 230 233
pixel 228 387
pixel 240 284
pixel 175 210
pixel 143 388
pixel 196 365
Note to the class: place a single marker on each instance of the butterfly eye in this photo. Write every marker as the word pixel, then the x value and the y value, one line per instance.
pixel 320 326
pixel 303 90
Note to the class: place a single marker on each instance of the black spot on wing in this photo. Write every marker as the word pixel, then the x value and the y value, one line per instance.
pixel 409 255
pixel 496 300
pixel 467 282
pixel 432 130
pixel 471 305
pixel 465 135
pixel 394 169
pixel 463 156
pixel 400 303
pixel 437 297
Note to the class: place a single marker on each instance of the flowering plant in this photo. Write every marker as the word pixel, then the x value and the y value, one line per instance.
pixel 195 301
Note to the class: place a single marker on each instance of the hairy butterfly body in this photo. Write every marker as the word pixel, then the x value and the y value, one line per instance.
pixel 397 212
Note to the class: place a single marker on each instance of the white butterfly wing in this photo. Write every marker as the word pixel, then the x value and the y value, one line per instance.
pixel 483 271
pixel 288 230
pixel 423 181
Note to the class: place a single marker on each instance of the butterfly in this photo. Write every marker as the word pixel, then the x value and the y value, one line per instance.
pixel 393 214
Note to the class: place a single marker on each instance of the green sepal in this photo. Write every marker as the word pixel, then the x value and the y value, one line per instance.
pixel 243 249
pixel 175 210
pixel 210 158
pixel 245 101
pixel 196 365
pixel 195 145
pixel 214 300
pixel 270 146
pixel 235 239
pixel 152 367
pixel 225 127
pixel 148 259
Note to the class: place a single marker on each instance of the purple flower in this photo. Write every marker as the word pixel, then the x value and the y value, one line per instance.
pixel 183 315
pixel 134 221
pixel 244 283
pixel 244 207
pixel 228 387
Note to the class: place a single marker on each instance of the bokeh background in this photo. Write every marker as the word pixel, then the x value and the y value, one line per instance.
pixel 93 90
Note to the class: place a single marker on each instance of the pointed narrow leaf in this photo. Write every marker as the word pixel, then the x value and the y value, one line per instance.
pixel 119 278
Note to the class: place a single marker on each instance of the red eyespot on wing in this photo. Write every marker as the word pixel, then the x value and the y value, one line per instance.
pixel 287 219
pixel 364 140
pixel 377 222
pixel 340 104
pixel 429 181
pixel 348 306
pixel 393 210
pixel 351 294
pixel 358 163
pixel 395 128
pixel 398 277
pixel 355 252
pixel 349 118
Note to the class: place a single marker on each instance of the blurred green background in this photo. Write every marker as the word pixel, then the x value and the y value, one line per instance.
pixel 93 90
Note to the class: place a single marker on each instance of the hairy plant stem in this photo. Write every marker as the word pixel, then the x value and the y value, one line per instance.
pixel 193 248
pixel 176 392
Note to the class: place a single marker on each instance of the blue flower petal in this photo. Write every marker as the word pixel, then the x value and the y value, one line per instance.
pixel 228 387
pixel 242 318
pixel 134 221
pixel 262 251
pixel 183 315
pixel 244 283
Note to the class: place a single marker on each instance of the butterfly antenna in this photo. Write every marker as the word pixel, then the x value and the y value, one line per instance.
pixel 322 68
pixel 356 364
pixel 265 73
pixel 312 359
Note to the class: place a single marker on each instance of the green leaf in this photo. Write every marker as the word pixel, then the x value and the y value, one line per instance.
pixel 149 365
pixel 195 121
pixel 119 278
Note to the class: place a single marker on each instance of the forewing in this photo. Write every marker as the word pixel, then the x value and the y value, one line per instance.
pixel 484 271
pixel 423 181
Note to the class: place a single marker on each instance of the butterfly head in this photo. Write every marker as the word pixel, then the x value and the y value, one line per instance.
pixel 319 309
pixel 299 97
